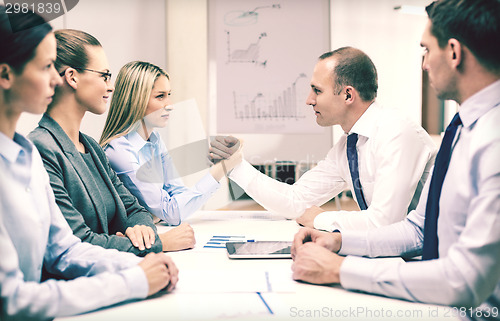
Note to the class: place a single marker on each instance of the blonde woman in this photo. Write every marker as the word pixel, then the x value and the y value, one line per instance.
pixel 137 152
pixel 97 206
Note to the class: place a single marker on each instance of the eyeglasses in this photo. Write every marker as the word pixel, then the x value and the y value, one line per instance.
pixel 104 74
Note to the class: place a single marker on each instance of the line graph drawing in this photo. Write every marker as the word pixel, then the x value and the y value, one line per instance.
pixel 264 107
pixel 245 18
pixel 248 55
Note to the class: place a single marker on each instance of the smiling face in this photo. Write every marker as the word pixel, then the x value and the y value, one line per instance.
pixel 32 90
pixel 159 104
pixel 437 66
pixel 94 89
pixel 329 106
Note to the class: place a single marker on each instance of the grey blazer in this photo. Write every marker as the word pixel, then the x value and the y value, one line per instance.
pixel 77 194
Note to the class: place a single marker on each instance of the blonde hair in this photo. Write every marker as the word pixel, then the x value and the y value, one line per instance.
pixel 133 87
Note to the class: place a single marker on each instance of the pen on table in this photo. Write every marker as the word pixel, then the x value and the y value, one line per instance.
pixel 222 245
pixel 265 303
pixel 221 241
pixel 228 236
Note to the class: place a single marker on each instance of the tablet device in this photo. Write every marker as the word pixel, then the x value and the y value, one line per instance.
pixel 259 250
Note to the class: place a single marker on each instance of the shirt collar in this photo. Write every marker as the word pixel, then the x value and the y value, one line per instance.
pixel 480 103
pixel 13 149
pixel 367 122
pixel 138 142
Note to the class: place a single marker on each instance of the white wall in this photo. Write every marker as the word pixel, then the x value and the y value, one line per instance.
pixel 392 40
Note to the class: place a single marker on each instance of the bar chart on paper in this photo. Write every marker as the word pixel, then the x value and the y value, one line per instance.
pixel 264 53
pixel 274 106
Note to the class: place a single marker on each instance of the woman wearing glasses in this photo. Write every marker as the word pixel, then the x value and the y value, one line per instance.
pixel 97 206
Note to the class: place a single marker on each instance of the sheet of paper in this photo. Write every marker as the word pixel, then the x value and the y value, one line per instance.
pixel 223 306
pixel 238 215
pixel 234 281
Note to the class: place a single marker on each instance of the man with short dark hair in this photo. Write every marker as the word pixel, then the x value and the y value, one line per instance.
pixel 457 221
pixel 383 157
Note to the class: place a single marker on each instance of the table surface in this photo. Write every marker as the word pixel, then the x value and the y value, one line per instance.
pixel 213 287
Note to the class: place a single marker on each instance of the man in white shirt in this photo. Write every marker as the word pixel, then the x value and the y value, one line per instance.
pixel 394 155
pixel 458 229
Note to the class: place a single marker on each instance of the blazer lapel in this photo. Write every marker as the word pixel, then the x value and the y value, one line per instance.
pixel 120 208
pixel 78 164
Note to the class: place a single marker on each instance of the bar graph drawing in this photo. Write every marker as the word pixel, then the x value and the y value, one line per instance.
pixel 282 107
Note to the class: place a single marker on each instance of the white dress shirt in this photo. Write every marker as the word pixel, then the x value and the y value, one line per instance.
pixel 395 156
pixel 147 170
pixel 467 272
pixel 34 232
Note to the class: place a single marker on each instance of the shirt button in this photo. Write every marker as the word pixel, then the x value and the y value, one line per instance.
pixel 28 189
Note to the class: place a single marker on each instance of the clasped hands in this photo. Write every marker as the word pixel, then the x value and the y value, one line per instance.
pixel 225 153
pixel 315 258
pixel 178 238
pixel 159 269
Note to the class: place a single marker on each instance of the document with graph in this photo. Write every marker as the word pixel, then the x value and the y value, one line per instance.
pixel 262 54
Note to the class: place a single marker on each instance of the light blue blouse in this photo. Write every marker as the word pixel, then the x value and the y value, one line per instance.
pixel 147 170
pixel 33 232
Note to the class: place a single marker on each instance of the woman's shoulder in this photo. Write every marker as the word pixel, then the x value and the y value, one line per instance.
pixel 120 153
pixel 118 145
pixel 43 140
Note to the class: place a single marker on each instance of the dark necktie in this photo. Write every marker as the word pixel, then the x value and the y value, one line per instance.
pixel 430 250
pixel 352 158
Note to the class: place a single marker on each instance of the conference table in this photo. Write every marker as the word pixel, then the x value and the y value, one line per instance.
pixel 214 287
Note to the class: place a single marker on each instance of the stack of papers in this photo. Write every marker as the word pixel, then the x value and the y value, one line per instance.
pixel 219 241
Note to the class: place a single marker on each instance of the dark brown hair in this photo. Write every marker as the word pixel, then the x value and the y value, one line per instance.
pixel 20 35
pixel 475 23
pixel 71 48
pixel 354 68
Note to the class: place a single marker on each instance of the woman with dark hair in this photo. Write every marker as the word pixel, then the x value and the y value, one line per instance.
pixel 97 206
pixel 33 231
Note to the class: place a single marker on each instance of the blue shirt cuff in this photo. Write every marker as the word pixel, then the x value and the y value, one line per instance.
pixel 207 184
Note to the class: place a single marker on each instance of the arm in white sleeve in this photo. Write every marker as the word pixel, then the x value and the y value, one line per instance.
pixel 315 187
pixel 401 163
pixel 114 276
pixel 465 275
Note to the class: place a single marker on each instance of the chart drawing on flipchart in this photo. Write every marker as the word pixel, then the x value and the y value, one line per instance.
pixel 264 52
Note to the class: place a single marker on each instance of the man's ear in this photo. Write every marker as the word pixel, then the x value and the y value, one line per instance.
pixel 6 76
pixel 350 94
pixel 70 76
pixel 455 52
